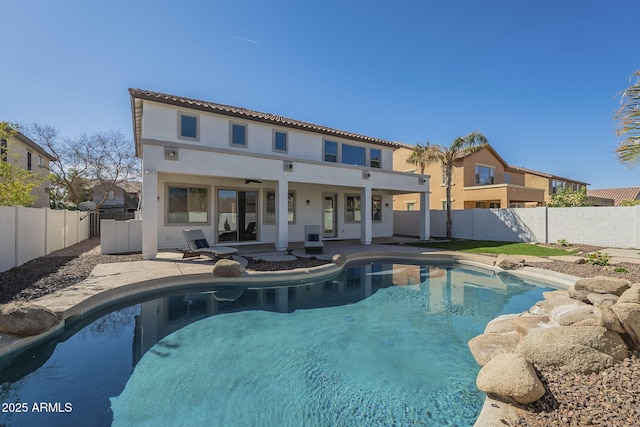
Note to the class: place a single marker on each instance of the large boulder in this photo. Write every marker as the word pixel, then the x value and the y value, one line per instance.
pixel 629 316
pixel 227 268
pixel 602 300
pixel 631 295
pixel 567 315
pixel 26 319
pixel 582 349
pixel 602 285
pixel 555 303
pixel 607 318
pixel 501 324
pixel 485 346
pixel 509 262
pixel 510 376
pixel 526 323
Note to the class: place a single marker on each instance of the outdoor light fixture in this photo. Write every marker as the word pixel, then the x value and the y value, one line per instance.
pixel 308 202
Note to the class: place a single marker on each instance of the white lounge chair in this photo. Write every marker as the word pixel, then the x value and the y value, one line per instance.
pixel 313 239
pixel 197 245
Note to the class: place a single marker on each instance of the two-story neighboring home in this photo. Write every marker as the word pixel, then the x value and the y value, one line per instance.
pixel 117 198
pixel 482 179
pixel 32 157
pixel 246 176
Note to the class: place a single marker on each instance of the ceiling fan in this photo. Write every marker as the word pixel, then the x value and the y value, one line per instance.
pixel 249 181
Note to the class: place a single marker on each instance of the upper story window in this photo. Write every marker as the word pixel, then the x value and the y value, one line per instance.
pixel 29 156
pixel 280 141
pixel 40 161
pixel 188 126
pixel 238 135
pixel 353 155
pixel 375 158
pixel 330 151
pixel 484 175
pixel 3 150
pixel 556 186
pixel 507 178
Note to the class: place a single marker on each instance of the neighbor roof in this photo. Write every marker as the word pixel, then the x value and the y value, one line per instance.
pixel 29 143
pixel 238 112
pixel 616 194
pixel 547 175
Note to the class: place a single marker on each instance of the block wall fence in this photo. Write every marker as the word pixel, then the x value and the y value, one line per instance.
pixel 614 226
pixel 29 233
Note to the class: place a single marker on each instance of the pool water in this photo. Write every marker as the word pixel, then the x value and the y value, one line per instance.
pixel 381 344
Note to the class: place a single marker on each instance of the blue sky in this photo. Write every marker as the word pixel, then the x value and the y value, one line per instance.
pixel 541 79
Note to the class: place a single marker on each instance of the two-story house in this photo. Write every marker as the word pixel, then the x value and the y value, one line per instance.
pixel 246 176
pixel 28 155
pixel 482 179
pixel 122 197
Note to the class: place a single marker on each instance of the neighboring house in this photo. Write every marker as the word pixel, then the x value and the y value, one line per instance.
pixel 32 157
pixel 245 176
pixel 613 196
pixel 482 179
pixel 119 198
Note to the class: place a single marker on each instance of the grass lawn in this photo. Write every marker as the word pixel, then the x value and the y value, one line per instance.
pixel 493 247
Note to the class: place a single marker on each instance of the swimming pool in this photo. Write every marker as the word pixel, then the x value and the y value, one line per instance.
pixel 381 344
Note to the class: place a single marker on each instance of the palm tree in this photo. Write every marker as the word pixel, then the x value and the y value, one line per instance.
pixel 629 128
pixel 422 155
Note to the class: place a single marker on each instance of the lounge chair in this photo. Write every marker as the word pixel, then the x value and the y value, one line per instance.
pixel 313 239
pixel 197 245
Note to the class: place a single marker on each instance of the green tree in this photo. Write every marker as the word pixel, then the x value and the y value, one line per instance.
pixel 568 197
pixel 16 183
pixel 630 202
pixel 628 116
pixel 423 155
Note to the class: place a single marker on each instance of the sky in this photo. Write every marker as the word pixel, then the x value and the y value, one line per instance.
pixel 540 78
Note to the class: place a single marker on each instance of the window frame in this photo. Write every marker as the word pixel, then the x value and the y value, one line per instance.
pixel 188 187
pixel 182 114
pixel 377 197
pixel 324 151
pixel 232 125
pixel 371 162
pixel 265 217
pixel 348 146
pixel 29 161
pixel 274 146
pixel 348 196
pixel 492 174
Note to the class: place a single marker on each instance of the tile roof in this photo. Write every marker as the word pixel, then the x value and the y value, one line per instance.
pixel 616 194
pixel 244 113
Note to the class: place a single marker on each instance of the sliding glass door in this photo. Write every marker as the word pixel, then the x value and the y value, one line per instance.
pixel 237 215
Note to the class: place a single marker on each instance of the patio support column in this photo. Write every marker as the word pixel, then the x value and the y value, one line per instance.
pixel 149 214
pixel 425 217
pixel 365 216
pixel 282 215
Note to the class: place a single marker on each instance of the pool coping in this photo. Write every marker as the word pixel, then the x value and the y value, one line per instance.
pixel 109 284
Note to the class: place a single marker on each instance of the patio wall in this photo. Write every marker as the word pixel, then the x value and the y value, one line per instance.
pixel 119 237
pixel 29 233
pixel 616 226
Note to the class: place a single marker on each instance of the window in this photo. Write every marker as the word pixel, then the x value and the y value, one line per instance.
pixel 330 151
pixel 111 195
pixel 375 158
pixel 280 141
pixel 3 150
pixel 238 135
pixel 481 205
pixel 39 161
pixel 444 205
pixel 187 205
pixel 484 175
pixel 188 126
pixel 556 186
pixel 376 208
pixel 507 178
pixel 29 155
pixel 411 206
pixel 352 209
pixel 352 155
pixel 270 207
pixel 494 205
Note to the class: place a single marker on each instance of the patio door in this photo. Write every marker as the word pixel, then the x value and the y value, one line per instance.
pixel 237 215
pixel 330 215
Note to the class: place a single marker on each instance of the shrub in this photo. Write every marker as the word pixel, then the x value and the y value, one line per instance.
pixel 598 258
pixel 563 242
pixel 621 270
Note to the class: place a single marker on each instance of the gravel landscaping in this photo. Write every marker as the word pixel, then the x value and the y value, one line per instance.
pixel 609 398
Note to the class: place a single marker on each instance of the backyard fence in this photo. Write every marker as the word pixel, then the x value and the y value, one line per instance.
pixel 120 237
pixel 615 226
pixel 29 233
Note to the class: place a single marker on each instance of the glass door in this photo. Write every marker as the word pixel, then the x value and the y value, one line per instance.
pixel 330 220
pixel 237 215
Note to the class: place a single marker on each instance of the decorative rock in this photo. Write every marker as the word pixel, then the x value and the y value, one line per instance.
pixel 603 285
pixel 509 262
pixel 227 268
pixel 551 304
pixel 602 300
pixel 556 293
pixel 607 318
pixel 567 315
pixel 339 259
pixel 631 295
pixel 485 346
pixel 501 324
pixel 26 319
pixel 582 296
pixel 509 375
pixel 574 349
pixel 524 324
pixel 629 317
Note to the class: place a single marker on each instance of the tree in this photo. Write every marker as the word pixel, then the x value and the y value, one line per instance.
pixel 104 159
pixel 568 197
pixel 16 183
pixel 423 155
pixel 628 116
